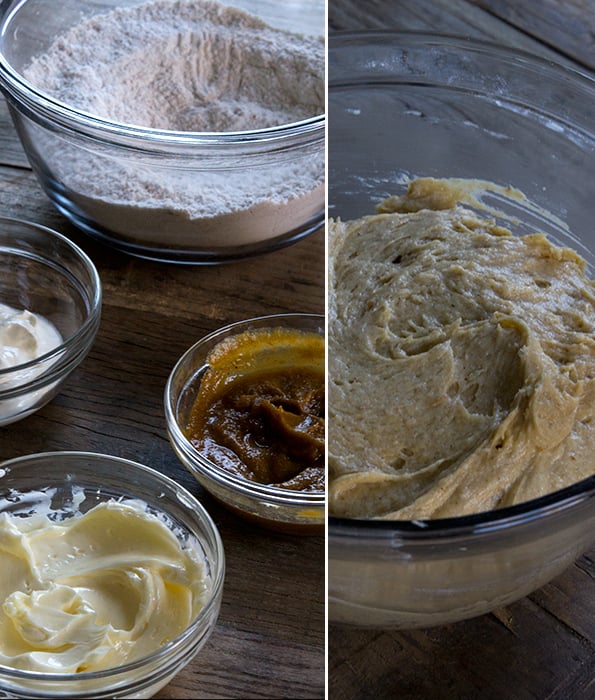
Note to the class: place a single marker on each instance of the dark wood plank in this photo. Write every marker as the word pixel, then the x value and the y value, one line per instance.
pixel 568 27
pixel 459 17
pixel 524 649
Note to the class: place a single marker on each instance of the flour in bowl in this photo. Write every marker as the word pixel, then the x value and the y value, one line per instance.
pixel 180 66
pixel 184 66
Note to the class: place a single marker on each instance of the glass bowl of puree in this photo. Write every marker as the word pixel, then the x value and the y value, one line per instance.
pixel 113 575
pixel 456 489
pixel 189 132
pixel 50 308
pixel 245 413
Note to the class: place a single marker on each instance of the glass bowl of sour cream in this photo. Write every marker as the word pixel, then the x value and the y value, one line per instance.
pixel 189 132
pixel 50 307
pixel 112 577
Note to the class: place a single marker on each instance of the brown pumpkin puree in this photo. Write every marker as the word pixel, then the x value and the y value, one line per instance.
pixel 260 410
pixel 461 362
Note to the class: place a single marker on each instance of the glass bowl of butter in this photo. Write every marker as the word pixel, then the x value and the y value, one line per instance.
pixel 460 327
pixel 50 308
pixel 245 409
pixel 113 575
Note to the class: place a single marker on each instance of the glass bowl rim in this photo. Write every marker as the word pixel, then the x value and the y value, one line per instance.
pixel 180 640
pixel 203 466
pixel 120 132
pixel 93 298
pixel 338 40
pixel 484 523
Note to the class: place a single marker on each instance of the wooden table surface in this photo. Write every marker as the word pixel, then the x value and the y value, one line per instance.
pixel 269 640
pixel 543 646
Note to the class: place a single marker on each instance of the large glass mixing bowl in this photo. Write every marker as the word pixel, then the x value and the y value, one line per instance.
pixel 405 105
pixel 201 197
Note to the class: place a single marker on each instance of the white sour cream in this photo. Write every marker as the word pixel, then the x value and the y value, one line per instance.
pixel 24 336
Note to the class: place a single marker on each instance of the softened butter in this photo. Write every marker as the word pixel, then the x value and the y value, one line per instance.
pixel 93 591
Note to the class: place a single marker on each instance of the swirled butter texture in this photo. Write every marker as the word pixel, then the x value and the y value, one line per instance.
pixel 95 591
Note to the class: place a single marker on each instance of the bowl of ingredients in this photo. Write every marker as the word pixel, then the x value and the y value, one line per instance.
pixel 245 410
pixel 50 307
pixel 460 327
pixel 188 131
pixel 115 574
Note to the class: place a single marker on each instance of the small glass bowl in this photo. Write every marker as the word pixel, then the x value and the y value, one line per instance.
pixel 273 507
pixel 403 105
pixel 45 273
pixel 67 483
pixel 159 194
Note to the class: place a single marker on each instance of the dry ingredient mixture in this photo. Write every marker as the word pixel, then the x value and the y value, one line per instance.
pixel 93 591
pixel 183 65
pixel 259 413
pixel 461 362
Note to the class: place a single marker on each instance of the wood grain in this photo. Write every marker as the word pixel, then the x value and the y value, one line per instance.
pixel 521 652
pixel 567 26
pixel 472 19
